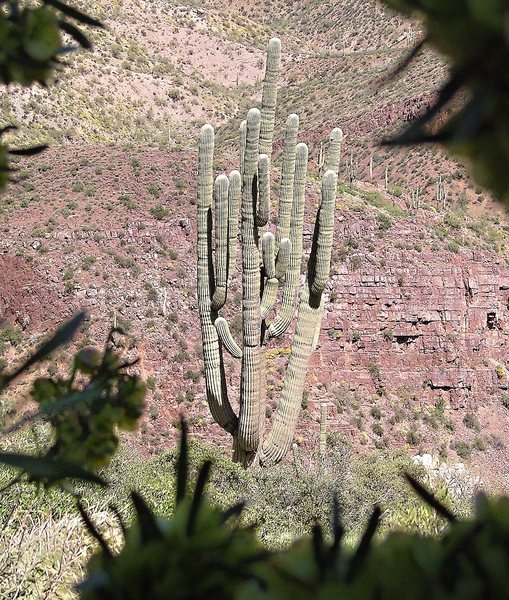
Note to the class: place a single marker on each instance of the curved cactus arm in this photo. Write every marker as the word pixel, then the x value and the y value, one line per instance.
pixel 287 178
pixel 249 421
pixel 281 435
pixel 269 96
pixel 221 186
pixel 283 258
pixel 215 379
pixel 243 138
pixel 289 299
pixel 268 250
pixel 309 316
pixel 334 153
pixel 233 220
pixel 263 207
pixel 320 257
pixel 226 337
pixel 269 295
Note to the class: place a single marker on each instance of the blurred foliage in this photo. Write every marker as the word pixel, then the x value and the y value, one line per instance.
pixel 202 552
pixel 83 410
pixel 472 34
pixel 32 44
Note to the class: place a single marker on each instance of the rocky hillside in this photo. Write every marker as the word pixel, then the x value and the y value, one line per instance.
pixel 413 348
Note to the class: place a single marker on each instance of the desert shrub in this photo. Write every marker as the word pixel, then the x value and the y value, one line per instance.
pixel 159 212
pixel 9 335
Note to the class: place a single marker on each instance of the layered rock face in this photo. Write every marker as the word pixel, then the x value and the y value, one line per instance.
pixel 431 322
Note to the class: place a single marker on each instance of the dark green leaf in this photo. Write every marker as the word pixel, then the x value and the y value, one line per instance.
pixel 233 511
pixel 29 151
pixel 364 545
pixel 52 469
pixel 61 337
pixel 93 531
pixel 182 463
pixel 74 13
pixel 201 481
pixel 148 524
pixel 337 528
pixel 317 541
pixel 428 497
pixel 74 32
pixel 7 128
pixel 416 133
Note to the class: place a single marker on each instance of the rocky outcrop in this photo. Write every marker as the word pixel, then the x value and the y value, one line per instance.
pixel 438 325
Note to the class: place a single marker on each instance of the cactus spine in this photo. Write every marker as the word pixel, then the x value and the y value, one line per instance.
pixel 270 260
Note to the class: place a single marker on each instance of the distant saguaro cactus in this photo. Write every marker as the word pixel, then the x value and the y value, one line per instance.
pixel 269 261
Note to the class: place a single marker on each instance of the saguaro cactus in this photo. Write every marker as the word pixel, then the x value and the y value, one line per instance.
pixel 270 260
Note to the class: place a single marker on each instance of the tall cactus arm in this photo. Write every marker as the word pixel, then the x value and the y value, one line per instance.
pixel 287 178
pixel 320 257
pixel 249 433
pixel 263 208
pixel 334 153
pixel 221 230
pixel 289 300
pixel 309 315
pixel 268 251
pixel 233 220
pixel 281 435
pixel 243 136
pixel 226 337
pixel 283 258
pixel 269 96
pixel 269 264
pixel 215 379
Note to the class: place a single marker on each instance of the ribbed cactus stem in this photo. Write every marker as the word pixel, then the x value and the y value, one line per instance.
pixel 243 138
pixel 283 258
pixel 287 178
pixel 263 208
pixel 233 219
pixel 215 379
pixel 323 429
pixel 249 418
pixel 289 301
pixel 281 434
pixel 269 264
pixel 334 152
pixel 319 261
pixel 309 315
pixel 226 337
pixel 269 96
pixel 268 249
pixel 221 232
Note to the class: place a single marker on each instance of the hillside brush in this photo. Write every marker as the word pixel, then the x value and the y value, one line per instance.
pixel 270 266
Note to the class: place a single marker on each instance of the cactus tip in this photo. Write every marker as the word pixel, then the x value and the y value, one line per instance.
pixel 253 115
pixel 222 180
pixel 293 119
pixel 336 134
